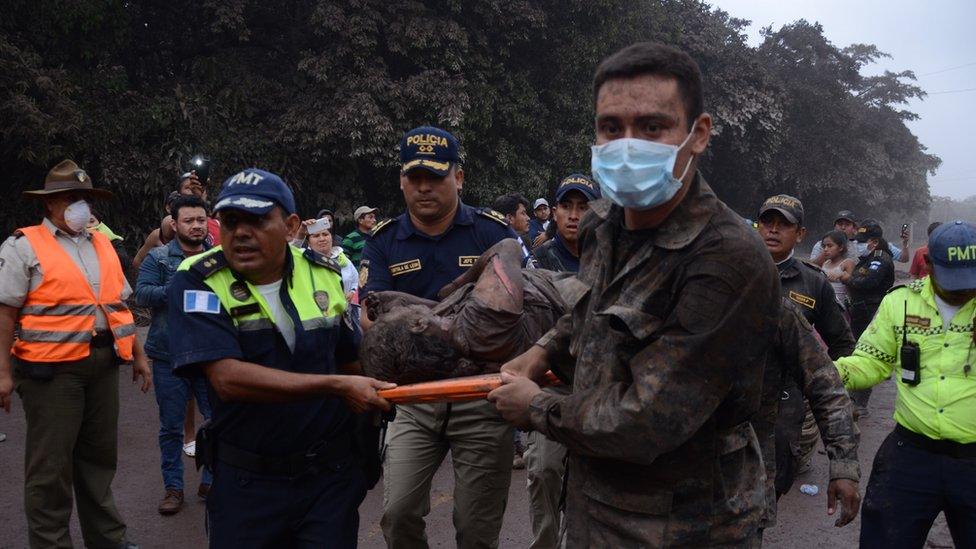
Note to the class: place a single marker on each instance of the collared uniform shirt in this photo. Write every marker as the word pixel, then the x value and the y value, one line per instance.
pixel 208 333
pixel 555 256
pixel 943 404
pixel 401 258
pixel 666 345
pixel 872 277
pixel 20 271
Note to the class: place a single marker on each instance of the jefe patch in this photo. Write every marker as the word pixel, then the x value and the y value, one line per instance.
pixel 467 260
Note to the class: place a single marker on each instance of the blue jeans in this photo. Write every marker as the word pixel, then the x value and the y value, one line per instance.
pixel 172 395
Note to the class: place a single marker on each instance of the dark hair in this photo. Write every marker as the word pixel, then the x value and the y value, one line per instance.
pixel 185 201
pixel 839 238
pixel 507 204
pixel 391 351
pixel 654 58
pixel 883 245
pixel 933 226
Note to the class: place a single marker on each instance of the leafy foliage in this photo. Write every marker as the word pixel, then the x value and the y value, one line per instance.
pixel 320 91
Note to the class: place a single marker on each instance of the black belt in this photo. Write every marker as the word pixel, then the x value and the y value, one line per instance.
pixel 292 465
pixel 102 338
pixel 948 448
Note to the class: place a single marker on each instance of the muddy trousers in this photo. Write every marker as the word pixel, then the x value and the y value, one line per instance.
pixel 481 446
pixel 72 445
pixel 910 485
pixel 545 463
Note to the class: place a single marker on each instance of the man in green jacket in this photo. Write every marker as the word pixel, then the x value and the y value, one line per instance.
pixel 355 241
pixel 924 333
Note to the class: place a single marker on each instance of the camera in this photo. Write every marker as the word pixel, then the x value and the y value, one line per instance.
pixel 200 165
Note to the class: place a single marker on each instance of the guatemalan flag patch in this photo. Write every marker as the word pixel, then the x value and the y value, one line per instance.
pixel 197 301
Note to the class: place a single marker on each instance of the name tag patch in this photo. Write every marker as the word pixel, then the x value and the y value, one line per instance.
pixel 918 321
pixel 197 301
pixel 243 310
pixel 804 300
pixel 467 260
pixel 398 269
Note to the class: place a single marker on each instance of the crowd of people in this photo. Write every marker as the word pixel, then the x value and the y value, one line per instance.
pixel 700 358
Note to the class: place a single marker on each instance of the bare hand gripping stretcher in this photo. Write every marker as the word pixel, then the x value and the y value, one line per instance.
pixel 459 389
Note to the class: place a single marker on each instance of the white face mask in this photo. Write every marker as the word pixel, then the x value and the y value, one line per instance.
pixel 76 215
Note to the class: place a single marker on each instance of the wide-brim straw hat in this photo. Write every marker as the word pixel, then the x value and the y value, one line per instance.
pixel 67 176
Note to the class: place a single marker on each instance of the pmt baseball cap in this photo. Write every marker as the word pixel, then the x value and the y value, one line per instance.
pixel 789 206
pixel 578 182
pixel 952 249
pixel 255 191
pixel 428 148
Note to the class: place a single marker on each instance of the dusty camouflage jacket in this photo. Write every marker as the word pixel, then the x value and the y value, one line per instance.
pixel 666 344
pixel 801 357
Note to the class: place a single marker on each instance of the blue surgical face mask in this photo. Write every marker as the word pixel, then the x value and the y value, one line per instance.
pixel 636 173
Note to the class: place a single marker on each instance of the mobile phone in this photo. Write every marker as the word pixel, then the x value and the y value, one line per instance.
pixel 201 166
pixel 904 230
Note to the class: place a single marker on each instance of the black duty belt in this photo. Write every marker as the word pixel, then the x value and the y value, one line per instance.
pixel 292 465
pixel 102 338
pixel 949 448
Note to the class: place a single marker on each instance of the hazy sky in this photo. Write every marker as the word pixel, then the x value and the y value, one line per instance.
pixel 935 38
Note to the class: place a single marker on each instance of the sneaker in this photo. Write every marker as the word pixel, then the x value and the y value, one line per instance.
pixel 518 462
pixel 172 502
pixel 190 448
pixel 203 491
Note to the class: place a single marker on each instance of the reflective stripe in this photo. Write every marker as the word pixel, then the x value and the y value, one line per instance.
pixel 115 307
pixel 58 310
pixel 254 325
pixel 46 336
pixel 124 330
pixel 319 322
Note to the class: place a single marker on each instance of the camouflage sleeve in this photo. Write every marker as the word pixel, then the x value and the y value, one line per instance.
pixel 876 351
pixel 821 385
pixel 697 353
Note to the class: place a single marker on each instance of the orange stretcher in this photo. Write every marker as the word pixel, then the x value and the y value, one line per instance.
pixel 459 389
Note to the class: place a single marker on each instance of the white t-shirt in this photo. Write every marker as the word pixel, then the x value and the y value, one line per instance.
pixel 948 312
pixel 281 318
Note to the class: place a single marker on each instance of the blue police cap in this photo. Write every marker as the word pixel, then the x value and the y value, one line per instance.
pixel 952 249
pixel 578 182
pixel 428 148
pixel 255 191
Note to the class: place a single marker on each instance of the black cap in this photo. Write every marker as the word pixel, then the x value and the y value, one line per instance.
pixel 429 148
pixel 845 214
pixel 869 228
pixel 578 182
pixel 789 206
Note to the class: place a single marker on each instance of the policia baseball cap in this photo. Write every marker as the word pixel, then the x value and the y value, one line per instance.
pixel 256 192
pixel 789 206
pixel 429 148
pixel 952 249
pixel 578 182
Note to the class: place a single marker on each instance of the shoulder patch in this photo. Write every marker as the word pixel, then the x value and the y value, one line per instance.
pixel 382 225
pixel 493 215
pixel 319 259
pixel 210 264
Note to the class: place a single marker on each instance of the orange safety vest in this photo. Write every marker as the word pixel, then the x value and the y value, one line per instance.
pixel 57 321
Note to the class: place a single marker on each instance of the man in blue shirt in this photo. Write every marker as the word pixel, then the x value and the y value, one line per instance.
pixel 539 222
pixel 189 220
pixel 573 197
pixel 264 322
pixel 418 252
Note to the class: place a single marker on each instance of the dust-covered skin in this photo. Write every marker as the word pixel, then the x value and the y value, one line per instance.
pixel 666 350
pixel 490 314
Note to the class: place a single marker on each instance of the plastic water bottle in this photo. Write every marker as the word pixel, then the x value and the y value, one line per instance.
pixel 809 489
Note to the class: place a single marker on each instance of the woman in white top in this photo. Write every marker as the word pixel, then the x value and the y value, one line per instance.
pixel 838 266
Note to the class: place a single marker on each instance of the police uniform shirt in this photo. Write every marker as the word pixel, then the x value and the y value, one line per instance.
pixel 20 270
pixel 268 429
pixel 555 256
pixel 806 286
pixel 401 258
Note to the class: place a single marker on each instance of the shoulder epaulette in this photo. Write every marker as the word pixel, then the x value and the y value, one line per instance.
pixel 209 264
pixel 813 266
pixel 322 260
pixel 382 225
pixel 493 215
